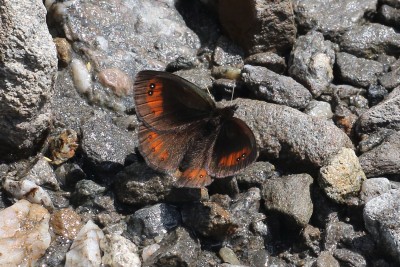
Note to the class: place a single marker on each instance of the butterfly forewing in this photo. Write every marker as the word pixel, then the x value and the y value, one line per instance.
pixel 234 149
pixel 165 101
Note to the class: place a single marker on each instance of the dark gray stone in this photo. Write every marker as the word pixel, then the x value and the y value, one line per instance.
pixel 385 115
pixel 270 86
pixel 332 21
pixel 139 185
pixel 383 159
pixel 227 53
pixel 105 144
pixel 283 132
pixel 326 259
pixel 157 220
pixel 27 73
pixel 208 219
pixel 391 79
pixel 200 77
pixel 259 26
pixel 376 93
pixel 290 196
pixel 373 140
pixel 393 3
pixel 349 258
pixel 381 220
pixel 358 71
pixel 55 253
pixel 311 62
pixel 255 174
pixel 390 15
pixel 370 40
pixel 86 191
pixel 268 60
pixel 179 248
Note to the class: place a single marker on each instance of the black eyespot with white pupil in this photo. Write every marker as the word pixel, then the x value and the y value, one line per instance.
pixel 152 86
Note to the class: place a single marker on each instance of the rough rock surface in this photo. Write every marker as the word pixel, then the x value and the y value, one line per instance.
pixel 27 73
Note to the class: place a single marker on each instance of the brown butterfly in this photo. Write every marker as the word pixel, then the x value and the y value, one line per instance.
pixel 183 132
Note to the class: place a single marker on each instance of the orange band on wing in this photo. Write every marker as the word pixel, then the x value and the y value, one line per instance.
pixel 194 174
pixel 234 158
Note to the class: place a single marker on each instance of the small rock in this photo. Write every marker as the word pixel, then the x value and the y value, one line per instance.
pixel 69 174
pixel 117 80
pixel 326 259
pixel 389 15
pixel 66 223
pixel 349 258
pixel 374 187
pixel 227 53
pixel 289 196
pixel 381 220
pixel 64 51
pixel 385 115
pixel 255 174
pixel 244 209
pixel 86 191
pixel 55 253
pixel 315 15
pixel 208 219
pixel 368 142
pixel 268 60
pixel 227 255
pixel 376 93
pixel 342 176
pixel 154 221
pixel 149 250
pixel 200 77
pixel 358 71
pixel 311 62
pixel 258 26
pixel 81 77
pixel 268 85
pixel 312 237
pixel 119 251
pixel 105 144
pixel 28 190
pixel 138 184
pixel 383 159
pixel 208 259
pixel 391 79
pixel 85 250
pixel 181 63
pixel 176 249
pixel 24 234
pixel 338 234
pixel 42 174
pixel 370 40
pixel 319 109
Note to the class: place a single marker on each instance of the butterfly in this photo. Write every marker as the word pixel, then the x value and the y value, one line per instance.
pixel 185 134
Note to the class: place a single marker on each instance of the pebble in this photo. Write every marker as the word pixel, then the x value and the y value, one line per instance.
pixel 24 234
pixel 119 251
pixel 66 222
pixel 342 176
pixel 228 256
pixel 85 250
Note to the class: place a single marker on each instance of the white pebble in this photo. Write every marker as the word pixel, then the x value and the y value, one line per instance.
pixel 119 251
pixel 81 76
pixel 85 250
pixel 24 234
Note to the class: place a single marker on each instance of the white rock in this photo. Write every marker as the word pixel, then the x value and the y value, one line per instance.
pixel 24 234
pixel 149 250
pixel 319 109
pixel 119 252
pixel 28 190
pixel 81 76
pixel 85 250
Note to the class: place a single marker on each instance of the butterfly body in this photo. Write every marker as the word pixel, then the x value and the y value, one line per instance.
pixel 185 134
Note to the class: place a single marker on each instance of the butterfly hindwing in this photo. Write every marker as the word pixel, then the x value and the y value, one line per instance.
pixel 234 149
pixel 165 101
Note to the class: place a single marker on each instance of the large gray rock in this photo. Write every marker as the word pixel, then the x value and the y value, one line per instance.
pixel 27 71
pixel 332 21
pixel 370 40
pixel 311 62
pixel 385 115
pixel 270 86
pixel 383 159
pixel 259 26
pixel 381 217
pixel 284 132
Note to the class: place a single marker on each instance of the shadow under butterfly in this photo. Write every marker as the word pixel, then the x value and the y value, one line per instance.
pixel 185 134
